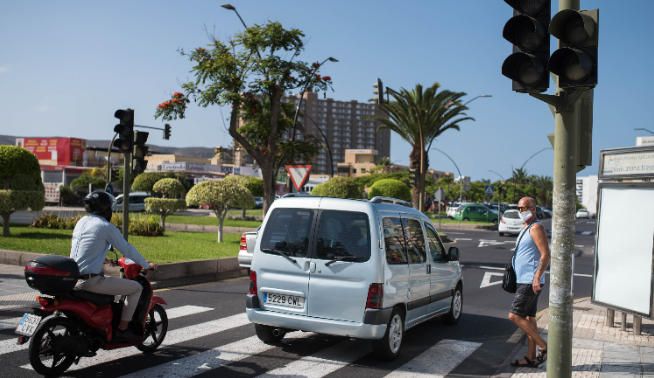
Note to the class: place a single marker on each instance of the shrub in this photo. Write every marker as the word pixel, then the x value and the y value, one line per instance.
pixel 53 221
pixel 339 187
pixel 169 188
pixel 146 180
pixel 390 188
pixel 141 225
pixel 69 197
pixel 81 184
pixel 163 207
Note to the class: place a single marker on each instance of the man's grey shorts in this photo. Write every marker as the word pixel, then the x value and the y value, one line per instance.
pixel 525 302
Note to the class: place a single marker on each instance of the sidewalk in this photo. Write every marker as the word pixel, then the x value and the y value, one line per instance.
pixel 597 349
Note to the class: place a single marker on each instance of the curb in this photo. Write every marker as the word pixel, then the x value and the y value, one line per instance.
pixel 205 228
pixel 167 275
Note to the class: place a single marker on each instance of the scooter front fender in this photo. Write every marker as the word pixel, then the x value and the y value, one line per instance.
pixel 157 300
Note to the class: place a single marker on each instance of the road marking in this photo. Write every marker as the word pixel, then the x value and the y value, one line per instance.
pixel 486 281
pixel 211 359
pixel 515 337
pixel 437 361
pixel 486 243
pixel 462 239
pixel 454 233
pixel 586 233
pixel 583 275
pixel 9 323
pixel 176 336
pixel 579 246
pixel 490 267
pixel 322 363
pixel 178 312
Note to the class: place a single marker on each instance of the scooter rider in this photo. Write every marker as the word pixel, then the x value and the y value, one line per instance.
pixel 92 237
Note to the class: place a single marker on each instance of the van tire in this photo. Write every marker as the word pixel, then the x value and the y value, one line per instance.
pixel 267 335
pixel 466 219
pixel 456 307
pixel 501 234
pixel 388 348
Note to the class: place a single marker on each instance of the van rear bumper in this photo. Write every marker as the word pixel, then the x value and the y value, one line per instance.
pixel 318 325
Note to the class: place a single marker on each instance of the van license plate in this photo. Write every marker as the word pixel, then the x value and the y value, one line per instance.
pixel 284 300
pixel 27 324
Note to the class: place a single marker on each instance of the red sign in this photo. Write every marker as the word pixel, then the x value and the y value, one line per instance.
pixel 299 175
pixel 55 151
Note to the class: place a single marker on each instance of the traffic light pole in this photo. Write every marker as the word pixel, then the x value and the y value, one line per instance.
pixel 126 180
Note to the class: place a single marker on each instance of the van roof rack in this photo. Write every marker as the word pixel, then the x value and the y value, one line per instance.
pixel 297 194
pixel 381 199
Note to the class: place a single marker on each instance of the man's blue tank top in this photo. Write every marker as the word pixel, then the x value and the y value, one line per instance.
pixel 527 256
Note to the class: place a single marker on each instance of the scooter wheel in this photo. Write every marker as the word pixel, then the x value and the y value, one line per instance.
pixel 46 356
pixel 156 326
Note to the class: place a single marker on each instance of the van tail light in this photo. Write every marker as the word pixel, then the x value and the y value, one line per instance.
pixel 375 296
pixel 253 283
pixel 244 244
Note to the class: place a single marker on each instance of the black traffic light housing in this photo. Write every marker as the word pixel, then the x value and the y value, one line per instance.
pixel 527 30
pixel 575 62
pixel 167 131
pixel 379 91
pixel 124 129
pixel 140 152
pixel 413 179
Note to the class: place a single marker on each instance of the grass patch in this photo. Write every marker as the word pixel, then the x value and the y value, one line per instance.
pixel 453 221
pixel 210 221
pixel 172 247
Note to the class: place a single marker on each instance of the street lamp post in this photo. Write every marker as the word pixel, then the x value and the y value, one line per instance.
pixel 534 155
pixel 455 166
pixel 498 197
pixel 329 150
pixel 644 129
pixel 476 97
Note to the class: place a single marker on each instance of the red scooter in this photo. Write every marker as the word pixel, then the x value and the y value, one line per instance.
pixel 71 324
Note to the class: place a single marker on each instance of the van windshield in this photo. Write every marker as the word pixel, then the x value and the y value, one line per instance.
pixel 343 234
pixel 287 230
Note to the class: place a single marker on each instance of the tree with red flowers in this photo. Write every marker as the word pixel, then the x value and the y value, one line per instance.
pixel 252 73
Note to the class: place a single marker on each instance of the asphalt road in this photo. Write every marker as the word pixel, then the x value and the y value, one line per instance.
pixel 209 334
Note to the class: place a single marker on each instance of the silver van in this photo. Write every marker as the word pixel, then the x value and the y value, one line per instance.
pixel 356 268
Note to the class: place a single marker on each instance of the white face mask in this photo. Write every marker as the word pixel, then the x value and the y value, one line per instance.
pixel 525 215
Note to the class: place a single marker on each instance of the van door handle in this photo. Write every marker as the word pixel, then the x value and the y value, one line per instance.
pixel 312 267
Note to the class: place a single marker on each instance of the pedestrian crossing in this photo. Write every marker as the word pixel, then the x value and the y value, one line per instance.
pixel 179 357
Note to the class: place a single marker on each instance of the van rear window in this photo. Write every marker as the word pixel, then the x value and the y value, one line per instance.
pixel 343 234
pixel 287 230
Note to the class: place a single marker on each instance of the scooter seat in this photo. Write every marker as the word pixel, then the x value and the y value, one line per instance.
pixel 98 299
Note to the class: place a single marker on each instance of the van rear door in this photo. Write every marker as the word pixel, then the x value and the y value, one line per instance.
pixel 282 260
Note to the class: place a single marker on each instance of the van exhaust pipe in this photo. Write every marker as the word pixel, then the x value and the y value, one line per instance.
pixel 277 332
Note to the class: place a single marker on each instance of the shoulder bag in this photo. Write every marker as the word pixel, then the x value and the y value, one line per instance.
pixel 509 281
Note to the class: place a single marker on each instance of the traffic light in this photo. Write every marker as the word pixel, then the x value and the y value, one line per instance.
pixel 575 62
pixel 124 129
pixel 527 30
pixel 113 174
pixel 167 131
pixel 379 91
pixel 412 178
pixel 140 152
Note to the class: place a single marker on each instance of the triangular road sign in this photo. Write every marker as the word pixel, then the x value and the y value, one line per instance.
pixel 299 175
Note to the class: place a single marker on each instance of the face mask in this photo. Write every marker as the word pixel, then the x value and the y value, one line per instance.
pixel 525 215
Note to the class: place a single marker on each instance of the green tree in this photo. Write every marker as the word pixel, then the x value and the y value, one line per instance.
pixel 419 117
pixel 171 192
pixel 251 73
pixel 219 196
pixel 390 188
pixel 146 180
pixel 338 187
pixel 21 187
pixel 81 183
pixel 253 184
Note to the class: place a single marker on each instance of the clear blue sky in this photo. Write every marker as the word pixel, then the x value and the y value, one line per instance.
pixel 65 66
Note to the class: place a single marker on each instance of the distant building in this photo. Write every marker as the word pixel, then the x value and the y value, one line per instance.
pixel 645 141
pixel 586 191
pixel 357 162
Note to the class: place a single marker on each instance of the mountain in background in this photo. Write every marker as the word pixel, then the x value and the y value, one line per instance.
pixel 197 152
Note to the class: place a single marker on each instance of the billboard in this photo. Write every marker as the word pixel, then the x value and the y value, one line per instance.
pixel 55 151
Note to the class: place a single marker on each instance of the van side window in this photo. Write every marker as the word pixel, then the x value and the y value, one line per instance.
pixel 394 241
pixel 435 247
pixel 287 230
pixel 415 241
pixel 343 234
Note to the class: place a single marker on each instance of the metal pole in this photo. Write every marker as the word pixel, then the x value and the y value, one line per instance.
pixel 610 317
pixel 638 321
pixel 559 361
pixel 126 179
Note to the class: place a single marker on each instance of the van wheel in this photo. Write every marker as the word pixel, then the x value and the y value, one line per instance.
pixel 501 234
pixel 269 335
pixel 466 219
pixel 388 348
pixel 456 307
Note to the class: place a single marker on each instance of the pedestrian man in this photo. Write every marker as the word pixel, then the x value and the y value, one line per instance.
pixel 531 258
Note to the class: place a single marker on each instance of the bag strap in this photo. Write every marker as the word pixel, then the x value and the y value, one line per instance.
pixel 517 243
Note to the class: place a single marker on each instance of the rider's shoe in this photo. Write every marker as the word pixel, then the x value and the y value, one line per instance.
pixel 127 335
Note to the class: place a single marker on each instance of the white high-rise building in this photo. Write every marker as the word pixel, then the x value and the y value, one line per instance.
pixel 586 191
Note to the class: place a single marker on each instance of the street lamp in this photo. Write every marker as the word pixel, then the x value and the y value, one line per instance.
pixel 329 150
pixel 534 155
pixel 499 207
pixel 644 129
pixel 476 97
pixel 457 169
pixel 233 8
pixel 492 171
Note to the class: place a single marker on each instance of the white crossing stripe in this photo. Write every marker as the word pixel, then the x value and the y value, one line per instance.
pixel 586 233
pixel 322 363
pixel 462 239
pixel 437 361
pixel 9 345
pixel 211 359
pixel 487 280
pixel 176 336
pixel 9 323
pixel 178 312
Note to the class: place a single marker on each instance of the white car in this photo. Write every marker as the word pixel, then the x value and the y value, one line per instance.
pixel 136 202
pixel 582 213
pixel 246 248
pixel 510 223
pixel 362 269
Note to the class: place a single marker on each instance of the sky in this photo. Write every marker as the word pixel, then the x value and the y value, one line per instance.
pixel 66 66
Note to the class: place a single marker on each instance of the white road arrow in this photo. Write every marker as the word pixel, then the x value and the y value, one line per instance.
pixel 486 281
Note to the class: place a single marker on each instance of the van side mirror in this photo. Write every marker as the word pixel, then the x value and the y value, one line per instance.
pixel 453 254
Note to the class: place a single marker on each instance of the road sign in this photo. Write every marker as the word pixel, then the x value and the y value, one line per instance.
pixel 299 175
pixel 439 195
pixel 489 190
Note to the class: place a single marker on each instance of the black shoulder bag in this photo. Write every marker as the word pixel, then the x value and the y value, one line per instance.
pixel 509 281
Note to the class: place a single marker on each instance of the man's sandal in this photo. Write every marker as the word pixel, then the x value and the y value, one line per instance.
pixel 541 357
pixel 526 363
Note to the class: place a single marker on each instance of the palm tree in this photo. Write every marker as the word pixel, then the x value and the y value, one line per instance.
pixel 419 117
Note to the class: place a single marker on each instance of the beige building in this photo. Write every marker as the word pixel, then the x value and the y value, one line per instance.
pixel 156 161
pixel 357 162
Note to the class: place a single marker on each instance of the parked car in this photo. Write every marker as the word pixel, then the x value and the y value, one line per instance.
pixel 582 213
pixel 258 202
pixel 136 202
pixel 547 212
pixel 246 249
pixel 362 269
pixel 475 212
pixel 510 223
